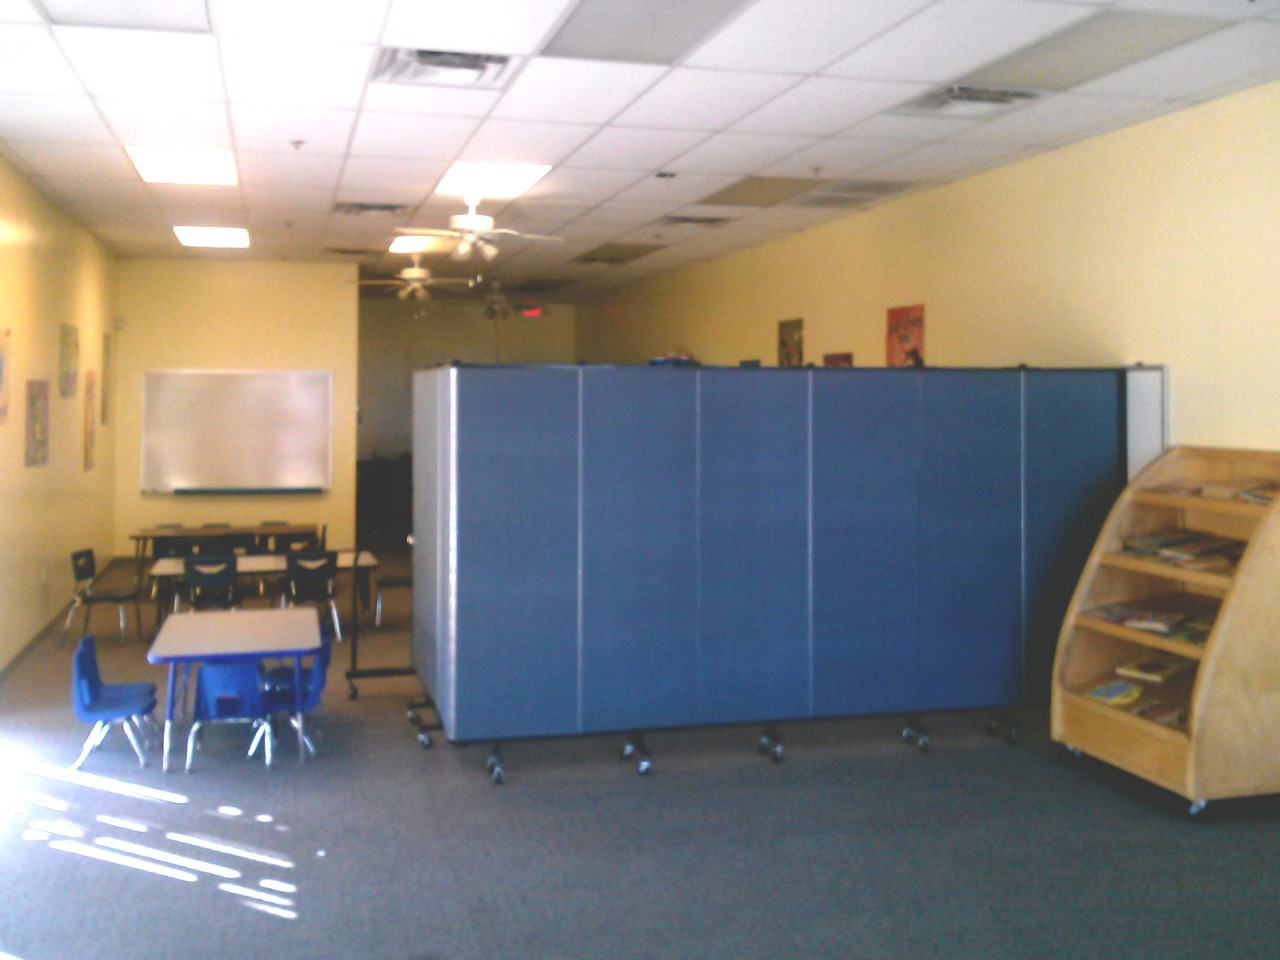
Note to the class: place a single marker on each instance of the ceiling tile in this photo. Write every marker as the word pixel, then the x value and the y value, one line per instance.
pixel 301 203
pixel 940 161
pixel 399 194
pixel 790 36
pixel 288 169
pixel 824 105
pixel 1214 9
pixel 837 158
pixel 1208 66
pixel 625 214
pixel 478 26
pixel 887 126
pixel 331 75
pixel 510 141
pixel 199 205
pixel 738 153
pixel 703 99
pixel 623 148
pixel 1057 119
pixel 18 11
pixel 438 101
pixel 273 129
pixel 31 62
pixel 415 137
pixel 417 176
pixel 144 64
pixel 676 191
pixel 954 37
pixel 336 20
pixel 165 123
pixel 108 198
pixel 564 183
pixel 574 91
pixel 25 116
pixel 79 160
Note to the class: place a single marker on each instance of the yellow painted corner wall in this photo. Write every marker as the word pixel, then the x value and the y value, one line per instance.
pixel 1159 243
pixel 52 273
pixel 235 315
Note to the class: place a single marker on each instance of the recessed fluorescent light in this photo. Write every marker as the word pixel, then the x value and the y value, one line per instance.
pixel 230 237
pixel 190 165
pixel 490 181
pixel 419 244
pixel 181 15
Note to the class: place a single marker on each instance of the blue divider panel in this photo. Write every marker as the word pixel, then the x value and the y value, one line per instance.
pixel 639 548
pixel 754 581
pixel 516 667
pixel 866 600
pixel 970 570
pixel 1075 470
pixel 430 486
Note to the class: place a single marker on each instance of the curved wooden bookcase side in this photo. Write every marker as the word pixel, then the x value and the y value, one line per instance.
pixel 1228 747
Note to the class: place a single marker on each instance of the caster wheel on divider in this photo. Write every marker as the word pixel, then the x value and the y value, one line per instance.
pixel 352 692
pixel 923 743
pixel 497 775
pixel 644 766
pixel 1197 807
pixel 777 752
pixel 1075 752
pixel 1011 738
pixel 908 735
pixel 628 750
pixel 424 738
pixel 765 744
pixel 413 718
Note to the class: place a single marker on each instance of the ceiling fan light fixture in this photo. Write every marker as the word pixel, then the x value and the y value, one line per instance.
pixel 462 251
pixel 413 243
pixel 487 250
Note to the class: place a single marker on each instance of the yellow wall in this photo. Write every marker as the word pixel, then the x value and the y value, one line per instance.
pixel 51 272
pixel 398 337
pixel 1159 243
pixel 235 315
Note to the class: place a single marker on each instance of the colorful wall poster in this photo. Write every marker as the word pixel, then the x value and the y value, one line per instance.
pixel 106 377
pixel 5 376
pixel 68 360
pixel 904 344
pixel 791 343
pixel 37 446
pixel 90 417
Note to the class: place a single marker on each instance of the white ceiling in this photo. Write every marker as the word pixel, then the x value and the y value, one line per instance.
pixel 811 89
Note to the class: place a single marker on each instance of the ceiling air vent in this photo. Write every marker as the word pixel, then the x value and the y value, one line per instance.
pixel 849 194
pixel 442 68
pixel 616 253
pixel 353 252
pixel 541 286
pixel 962 101
pixel 353 208
pixel 677 220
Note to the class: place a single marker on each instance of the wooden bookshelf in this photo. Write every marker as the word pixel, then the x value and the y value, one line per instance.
pixel 1225 624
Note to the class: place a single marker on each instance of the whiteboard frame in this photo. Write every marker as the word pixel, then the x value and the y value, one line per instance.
pixel 273 434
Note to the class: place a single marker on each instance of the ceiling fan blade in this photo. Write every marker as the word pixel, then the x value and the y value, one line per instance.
pixel 379 283
pixel 525 236
pixel 451 282
pixel 426 232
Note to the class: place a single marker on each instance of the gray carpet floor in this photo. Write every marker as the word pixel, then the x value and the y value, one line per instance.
pixel 854 847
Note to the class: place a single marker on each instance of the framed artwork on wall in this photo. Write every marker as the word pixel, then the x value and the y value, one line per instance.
pixel 68 360
pixel 37 440
pixel 5 376
pixel 90 417
pixel 904 340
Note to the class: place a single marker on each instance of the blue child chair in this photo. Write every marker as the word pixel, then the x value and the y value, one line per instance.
pixel 104 704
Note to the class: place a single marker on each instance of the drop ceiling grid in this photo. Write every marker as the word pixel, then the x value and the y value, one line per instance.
pixel 791 88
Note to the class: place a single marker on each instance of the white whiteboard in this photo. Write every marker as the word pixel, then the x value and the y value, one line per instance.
pixel 236 431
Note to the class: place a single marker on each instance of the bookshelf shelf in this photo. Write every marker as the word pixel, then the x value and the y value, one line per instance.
pixel 1219 712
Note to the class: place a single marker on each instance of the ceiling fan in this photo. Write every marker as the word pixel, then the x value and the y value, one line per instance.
pixel 414 280
pixel 474 232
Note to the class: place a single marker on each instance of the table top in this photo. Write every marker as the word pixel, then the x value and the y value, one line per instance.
pixel 262 563
pixel 211 635
pixel 261 530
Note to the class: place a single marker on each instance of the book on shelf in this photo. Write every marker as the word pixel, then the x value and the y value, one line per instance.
pixel 1262 494
pixel 1162 712
pixel 1153 541
pixel 1154 621
pixel 1229 489
pixel 1153 667
pixel 1193 630
pixel 1177 488
pixel 1117 693
pixel 1198 545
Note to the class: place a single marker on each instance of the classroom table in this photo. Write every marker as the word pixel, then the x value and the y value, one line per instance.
pixel 168 570
pixel 143 538
pixel 193 638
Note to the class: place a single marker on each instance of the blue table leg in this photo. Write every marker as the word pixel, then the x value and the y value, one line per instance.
pixel 297 707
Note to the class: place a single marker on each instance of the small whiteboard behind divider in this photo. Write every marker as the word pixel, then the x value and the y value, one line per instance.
pixel 237 431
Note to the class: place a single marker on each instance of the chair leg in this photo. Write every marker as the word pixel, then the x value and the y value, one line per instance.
pixel 133 741
pixel 137 617
pixel 377 610
pixel 191 744
pixel 124 624
pixel 259 730
pixel 84 627
pixel 71 615
pixel 337 625
pixel 91 742
pixel 300 723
